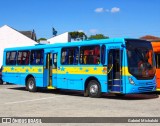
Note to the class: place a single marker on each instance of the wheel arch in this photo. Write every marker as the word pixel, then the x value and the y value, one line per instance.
pixel 89 79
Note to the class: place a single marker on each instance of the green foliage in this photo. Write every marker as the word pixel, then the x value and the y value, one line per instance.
pixel 41 39
pixel 98 36
pixel 78 35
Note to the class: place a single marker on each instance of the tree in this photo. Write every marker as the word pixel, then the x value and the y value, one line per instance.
pixel 98 36
pixel 41 39
pixel 78 35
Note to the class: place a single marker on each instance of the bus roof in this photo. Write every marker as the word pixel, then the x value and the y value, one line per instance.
pixel 79 43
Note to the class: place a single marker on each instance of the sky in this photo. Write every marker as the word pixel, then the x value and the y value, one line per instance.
pixel 113 18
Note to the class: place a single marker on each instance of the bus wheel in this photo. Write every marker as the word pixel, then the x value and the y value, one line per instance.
pixel 31 85
pixel 94 89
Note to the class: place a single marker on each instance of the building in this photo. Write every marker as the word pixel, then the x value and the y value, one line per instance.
pixel 62 38
pixel 29 34
pixel 155 42
pixel 150 38
pixel 10 37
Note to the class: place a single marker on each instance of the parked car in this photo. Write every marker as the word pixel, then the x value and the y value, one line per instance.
pixel 1 81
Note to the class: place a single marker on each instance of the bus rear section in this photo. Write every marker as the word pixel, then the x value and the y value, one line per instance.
pixel 156 48
pixel 23 66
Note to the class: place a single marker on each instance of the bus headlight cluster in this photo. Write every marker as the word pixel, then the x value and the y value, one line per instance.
pixel 131 80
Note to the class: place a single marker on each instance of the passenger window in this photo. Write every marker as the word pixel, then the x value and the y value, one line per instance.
pixel 90 55
pixel 70 55
pixel 11 58
pixel 23 58
pixel 37 57
pixel 103 54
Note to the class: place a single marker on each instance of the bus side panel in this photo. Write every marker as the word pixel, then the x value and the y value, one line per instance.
pixel 62 81
pixel 18 74
pixel 74 77
pixel 38 79
pixel 77 81
pixel 11 78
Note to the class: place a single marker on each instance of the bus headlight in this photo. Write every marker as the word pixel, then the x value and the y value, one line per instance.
pixel 131 80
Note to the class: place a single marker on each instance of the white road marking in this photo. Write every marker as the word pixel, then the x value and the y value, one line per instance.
pixel 28 100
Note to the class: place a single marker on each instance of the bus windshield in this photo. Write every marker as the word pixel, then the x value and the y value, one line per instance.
pixel 141 62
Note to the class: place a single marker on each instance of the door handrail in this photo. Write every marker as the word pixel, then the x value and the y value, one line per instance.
pixel 110 69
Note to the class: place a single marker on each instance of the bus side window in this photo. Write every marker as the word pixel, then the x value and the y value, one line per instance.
pixel 27 58
pixel 11 58
pixel 37 57
pixel 42 57
pixel 64 56
pixel 23 57
pixel 103 54
pixel 8 57
pixel 85 56
pixel 97 55
pixel 20 55
pixel 90 54
pixel 70 55
pixel 76 56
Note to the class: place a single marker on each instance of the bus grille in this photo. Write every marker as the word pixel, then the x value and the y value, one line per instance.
pixel 148 83
pixel 146 89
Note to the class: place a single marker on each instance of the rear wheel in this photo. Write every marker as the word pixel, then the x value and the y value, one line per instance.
pixel 31 85
pixel 94 89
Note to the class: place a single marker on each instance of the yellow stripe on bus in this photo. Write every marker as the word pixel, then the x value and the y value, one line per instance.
pixel 87 70
pixel 19 69
pixel 64 70
pixel 81 70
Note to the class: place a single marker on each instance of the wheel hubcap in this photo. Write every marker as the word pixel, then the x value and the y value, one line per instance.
pixel 31 85
pixel 94 89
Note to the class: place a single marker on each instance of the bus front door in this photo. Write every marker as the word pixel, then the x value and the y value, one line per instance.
pixel 47 70
pixel 50 71
pixel 54 70
pixel 114 71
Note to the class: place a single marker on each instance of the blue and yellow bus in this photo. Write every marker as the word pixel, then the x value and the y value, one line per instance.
pixel 119 66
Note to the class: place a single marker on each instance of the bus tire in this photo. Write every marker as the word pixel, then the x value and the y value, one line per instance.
pixel 31 85
pixel 94 89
